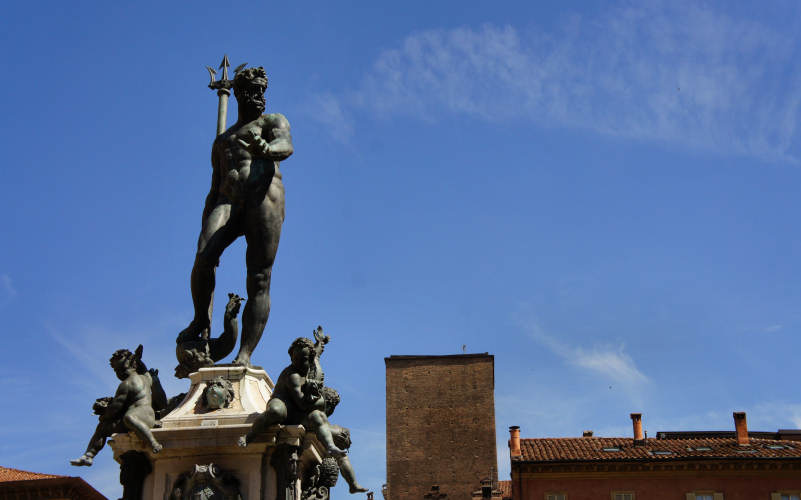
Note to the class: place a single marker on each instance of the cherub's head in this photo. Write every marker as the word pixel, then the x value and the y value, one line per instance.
pixel 301 352
pixel 331 397
pixel 249 87
pixel 121 361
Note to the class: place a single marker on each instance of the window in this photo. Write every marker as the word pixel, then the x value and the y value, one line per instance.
pixel 622 495
pixel 704 495
pixel 556 496
pixel 786 495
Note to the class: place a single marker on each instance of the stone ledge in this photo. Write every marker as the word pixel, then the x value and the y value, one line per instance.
pixel 252 389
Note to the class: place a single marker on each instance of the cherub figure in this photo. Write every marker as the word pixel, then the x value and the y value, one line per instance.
pixel 131 408
pixel 297 398
pixel 341 436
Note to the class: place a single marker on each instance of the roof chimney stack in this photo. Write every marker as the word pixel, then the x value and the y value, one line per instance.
pixel 486 489
pixel 741 426
pixel 514 441
pixel 586 434
pixel 636 422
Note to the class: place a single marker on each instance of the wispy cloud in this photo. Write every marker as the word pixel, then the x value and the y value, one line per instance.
pixel 770 414
pixel 679 73
pixel 81 350
pixel 772 328
pixel 90 347
pixel 762 416
pixel 7 290
pixel 327 109
pixel 611 362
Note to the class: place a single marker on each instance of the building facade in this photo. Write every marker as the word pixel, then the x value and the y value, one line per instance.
pixel 674 466
pixel 19 484
pixel 440 425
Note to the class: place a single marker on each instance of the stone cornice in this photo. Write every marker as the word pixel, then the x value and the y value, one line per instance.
pixel 778 467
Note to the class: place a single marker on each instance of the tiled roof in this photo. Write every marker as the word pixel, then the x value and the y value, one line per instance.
pixel 506 488
pixel 15 483
pixel 9 474
pixel 592 449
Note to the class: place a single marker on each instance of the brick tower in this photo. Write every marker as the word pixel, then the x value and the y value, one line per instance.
pixel 440 424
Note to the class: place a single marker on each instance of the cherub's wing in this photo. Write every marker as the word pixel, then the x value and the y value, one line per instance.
pixel 140 365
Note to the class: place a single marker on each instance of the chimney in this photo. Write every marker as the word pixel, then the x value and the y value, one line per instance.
pixel 741 427
pixel 586 434
pixel 486 489
pixel 514 441
pixel 636 422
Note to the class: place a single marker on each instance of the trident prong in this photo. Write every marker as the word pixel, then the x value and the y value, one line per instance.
pixel 224 65
pixel 212 74
pixel 239 68
pixel 223 86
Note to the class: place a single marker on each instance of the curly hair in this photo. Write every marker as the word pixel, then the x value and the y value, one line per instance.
pixel 246 76
pixel 331 397
pixel 300 343
pixel 134 359
pixel 120 355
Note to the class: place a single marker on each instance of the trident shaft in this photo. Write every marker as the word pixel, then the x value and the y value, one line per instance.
pixel 223 88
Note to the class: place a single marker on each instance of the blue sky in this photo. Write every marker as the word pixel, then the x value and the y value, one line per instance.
pixel 604 195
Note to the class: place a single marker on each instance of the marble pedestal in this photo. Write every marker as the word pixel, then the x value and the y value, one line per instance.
pixel 200 445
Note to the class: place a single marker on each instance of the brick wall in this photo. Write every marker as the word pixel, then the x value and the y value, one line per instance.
pixel 440 424
pixel 665 484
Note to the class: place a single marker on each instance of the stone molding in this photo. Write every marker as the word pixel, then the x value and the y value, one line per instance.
pixel 540 471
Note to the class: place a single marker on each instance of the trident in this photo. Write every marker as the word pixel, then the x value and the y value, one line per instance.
pixel 222 87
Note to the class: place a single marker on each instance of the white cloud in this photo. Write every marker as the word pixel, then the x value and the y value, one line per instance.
pixel 772 328
pixel 610 362
pixel 683 74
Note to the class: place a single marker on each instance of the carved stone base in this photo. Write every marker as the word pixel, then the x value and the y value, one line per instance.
pixel 134 468
pixel 199 437
pixel 206 482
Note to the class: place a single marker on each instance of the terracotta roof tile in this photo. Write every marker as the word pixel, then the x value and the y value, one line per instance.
pixel 9 474
pixel 506 488
pixel 592 449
